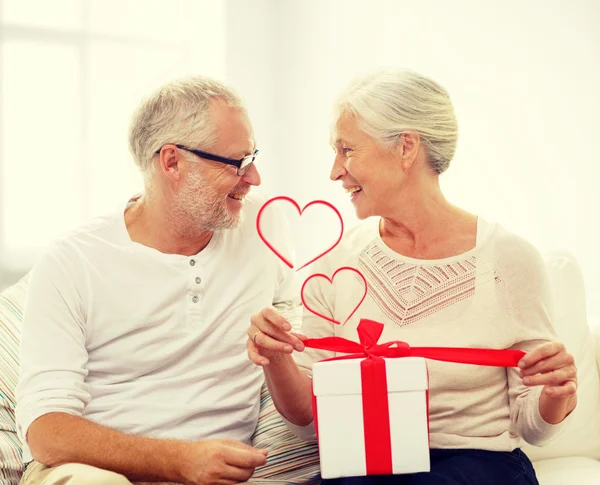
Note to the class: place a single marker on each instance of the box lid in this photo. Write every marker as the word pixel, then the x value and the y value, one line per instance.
pixel 342 377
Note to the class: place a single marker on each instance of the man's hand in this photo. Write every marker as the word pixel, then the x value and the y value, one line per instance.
pixel 551 366
pixel 220 462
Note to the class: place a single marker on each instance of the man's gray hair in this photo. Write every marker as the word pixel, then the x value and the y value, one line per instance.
pixel 390 102
pixel 177 113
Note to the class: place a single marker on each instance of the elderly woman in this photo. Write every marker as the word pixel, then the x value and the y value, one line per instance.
pixel 437 275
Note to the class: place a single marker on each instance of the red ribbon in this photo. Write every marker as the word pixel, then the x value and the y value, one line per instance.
pixel 376 414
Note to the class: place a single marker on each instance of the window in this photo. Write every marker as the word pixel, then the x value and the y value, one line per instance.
pixel 71 74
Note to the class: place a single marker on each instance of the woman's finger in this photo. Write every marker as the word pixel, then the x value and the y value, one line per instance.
pixel 270 322
pixel 266 341
pixel 272 315
pixel 554 378
pixel 277 333
pixel 569 388
pixel 301 337
pixel 284 336
pixel 254 354
pixel 550 364
pixel 541 352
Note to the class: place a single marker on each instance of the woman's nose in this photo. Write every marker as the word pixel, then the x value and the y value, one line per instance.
pixel 338 170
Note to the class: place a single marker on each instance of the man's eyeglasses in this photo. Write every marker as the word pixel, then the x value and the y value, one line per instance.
pixel 242 165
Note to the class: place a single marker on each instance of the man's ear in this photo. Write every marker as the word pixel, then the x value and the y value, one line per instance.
pixel 408 149
pixel 169 161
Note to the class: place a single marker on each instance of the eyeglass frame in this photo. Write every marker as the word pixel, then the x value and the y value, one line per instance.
pixel 242 169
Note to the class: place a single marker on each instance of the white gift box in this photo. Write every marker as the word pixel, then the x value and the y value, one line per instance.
pixel 340 407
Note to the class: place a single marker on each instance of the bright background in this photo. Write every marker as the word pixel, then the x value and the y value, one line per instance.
pixel 523 76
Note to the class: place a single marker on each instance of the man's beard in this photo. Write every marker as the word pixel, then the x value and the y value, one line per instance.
pixel 198 208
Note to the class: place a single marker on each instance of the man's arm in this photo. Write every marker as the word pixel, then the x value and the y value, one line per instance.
pixel 59 438
pixel 52 394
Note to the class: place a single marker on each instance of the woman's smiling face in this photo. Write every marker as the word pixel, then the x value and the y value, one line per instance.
pixel 371 174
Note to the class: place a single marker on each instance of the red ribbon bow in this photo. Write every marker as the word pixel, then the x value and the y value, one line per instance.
pixel 376 415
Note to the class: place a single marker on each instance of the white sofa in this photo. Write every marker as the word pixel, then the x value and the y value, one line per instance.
pixel 574 458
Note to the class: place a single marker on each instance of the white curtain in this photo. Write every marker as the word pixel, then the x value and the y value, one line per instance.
pixel 71 74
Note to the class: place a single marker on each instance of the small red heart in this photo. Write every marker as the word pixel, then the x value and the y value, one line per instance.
pixel 319 275
pixel 300 211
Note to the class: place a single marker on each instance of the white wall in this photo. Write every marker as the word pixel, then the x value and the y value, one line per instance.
pixel 251 62
pixel 71 74
pixel 524 79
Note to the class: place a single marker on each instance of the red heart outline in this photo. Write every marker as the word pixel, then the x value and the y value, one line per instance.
pixel 300 211
pixel 319 275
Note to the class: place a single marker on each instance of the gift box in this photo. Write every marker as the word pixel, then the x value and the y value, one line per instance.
pixel 371 407
pixel 372 428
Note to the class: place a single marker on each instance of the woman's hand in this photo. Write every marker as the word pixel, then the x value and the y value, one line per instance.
pixel 551 366
pixel 270 337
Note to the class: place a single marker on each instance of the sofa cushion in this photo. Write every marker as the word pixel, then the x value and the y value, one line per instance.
pixel 290 460
pixel 582 436
pixel 12 301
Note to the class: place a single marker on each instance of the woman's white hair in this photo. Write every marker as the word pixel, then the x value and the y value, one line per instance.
pixel 177 113
pixel 391 102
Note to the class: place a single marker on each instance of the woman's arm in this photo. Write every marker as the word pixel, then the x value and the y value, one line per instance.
pixel 270 345
pixel 542 391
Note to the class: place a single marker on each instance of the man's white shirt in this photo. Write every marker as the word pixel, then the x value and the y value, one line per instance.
pixel 149 343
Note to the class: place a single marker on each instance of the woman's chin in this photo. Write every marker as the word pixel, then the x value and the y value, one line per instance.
pixel 362 212
pixel 361 208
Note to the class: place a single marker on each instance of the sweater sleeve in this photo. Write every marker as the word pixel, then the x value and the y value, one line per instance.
pixel 53 353
pixel 530 306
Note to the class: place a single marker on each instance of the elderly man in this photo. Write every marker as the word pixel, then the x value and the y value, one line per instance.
pixel 133 361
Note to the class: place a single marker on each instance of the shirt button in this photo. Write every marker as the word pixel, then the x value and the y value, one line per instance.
pixel 195 299
pixel 198 280
pixel 192 262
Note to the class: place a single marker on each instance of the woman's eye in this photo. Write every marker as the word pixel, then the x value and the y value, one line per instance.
pixel 346 150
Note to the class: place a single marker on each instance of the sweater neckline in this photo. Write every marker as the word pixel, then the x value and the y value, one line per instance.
pixel 485 230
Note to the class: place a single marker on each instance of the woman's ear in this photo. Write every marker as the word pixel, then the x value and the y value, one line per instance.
pixel 408 149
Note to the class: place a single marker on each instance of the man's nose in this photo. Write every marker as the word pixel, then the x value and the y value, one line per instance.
pixel 252 176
